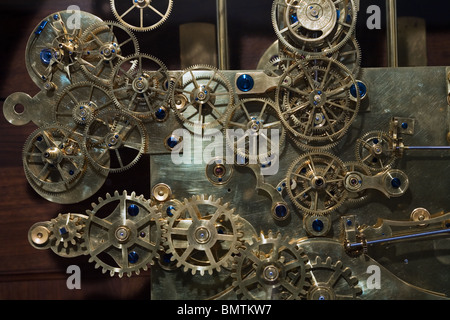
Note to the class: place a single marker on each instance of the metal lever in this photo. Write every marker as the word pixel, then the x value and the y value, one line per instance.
pixel 356 241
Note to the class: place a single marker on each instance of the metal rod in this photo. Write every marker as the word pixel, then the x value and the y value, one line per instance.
pixel 222 35
pixel 408 236
pixel 425 147
pixel 391 26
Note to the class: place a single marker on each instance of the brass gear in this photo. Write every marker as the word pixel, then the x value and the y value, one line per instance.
pixel 319 183
pixel 314 27
pixel 54 49
pixel 332 281
pixel 270 268
pixel 277 65
pixel 105 44
pixel 79 103
pixel 123 233
pixel 255 117
pixel 128 11
pixel 314 102
pixel 140 85
pixel 202 235
pixel 66 234
pixel 374 151
pixel 110 137
pixel 203 93
pixel 362 196
pixel 53 159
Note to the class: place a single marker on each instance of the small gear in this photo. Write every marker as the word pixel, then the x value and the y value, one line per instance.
pixel 104 45
pixel 374 151
pixel 140 85
pixel 362 196
pixel 66 234
pixel 332 281
pixel 278 64
pixel 314 27
pixel 271 268
pixel 78 104
pixel 318 183
pixel 114 141
pixel 201 97
pixel 250 122
pixel 123 233
pixel 314 102
pixel 202 235
pixel 141 15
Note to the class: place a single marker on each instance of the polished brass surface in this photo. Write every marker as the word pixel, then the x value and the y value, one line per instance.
pixel 348 200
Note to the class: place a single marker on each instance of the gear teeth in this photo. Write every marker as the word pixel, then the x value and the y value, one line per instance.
pixel 299 47
pixel 259 248
pixel 338 267
pixel 219 77
pixel 128 119
pixel 97 227
pixel 194 266
pixel 141 29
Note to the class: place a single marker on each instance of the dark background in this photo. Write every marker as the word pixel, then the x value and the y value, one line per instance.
pixel 27 273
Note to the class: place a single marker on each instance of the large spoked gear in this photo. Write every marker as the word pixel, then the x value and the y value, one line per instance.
pixel 202 235
pixel 314 102
pixel 250 127
pixel 314 27
pixel 332 281
pixel 114 141
pixel 53 159
pixel 54 49
pixel 374 151
pixel 104 45
pixel 201 96
pixel 66 234
pixel 79 103
pixel 271 268
pixel 317 183
pixel 141 15
pixel 123 234
pixel 140 85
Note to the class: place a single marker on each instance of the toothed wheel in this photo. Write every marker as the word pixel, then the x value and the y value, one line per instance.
pixel 278 65
pixel 318 179
pixel 350 56
pixel 271 268
pixel 374 151
pixel 114 141
pixel 79 103
pixel 53 159
pixel 105 44
pixel 66 234
pixel 123 234
pixel 201 97
pixel 332 281
pixel 314 102
pixel 202 235
pixel 141 15
pixel 314 27
pixel 250 127
pixel 54 49
pixel 355 197
pixel 140 85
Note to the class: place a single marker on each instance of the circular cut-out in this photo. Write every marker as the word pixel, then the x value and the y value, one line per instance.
pixel 16 108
